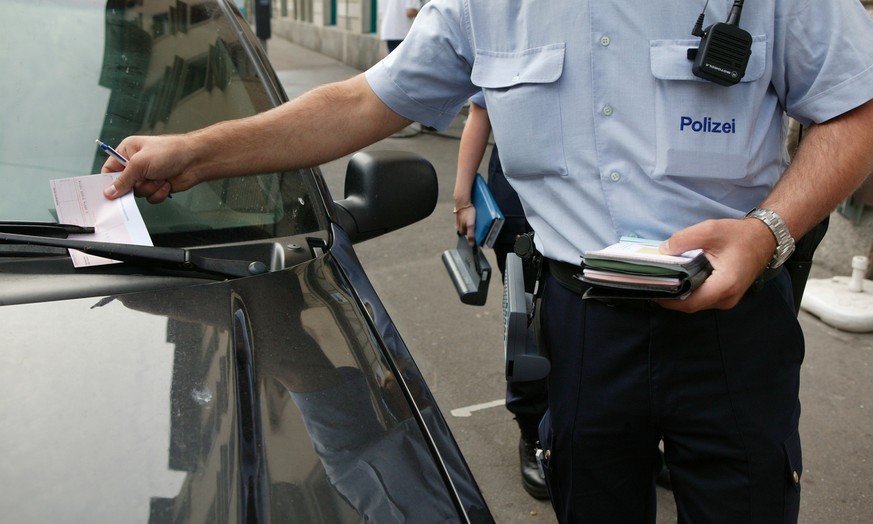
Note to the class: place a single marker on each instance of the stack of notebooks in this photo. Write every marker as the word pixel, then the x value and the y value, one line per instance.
pixel 635 268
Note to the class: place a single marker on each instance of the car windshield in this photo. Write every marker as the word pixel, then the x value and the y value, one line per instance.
pixel 76 71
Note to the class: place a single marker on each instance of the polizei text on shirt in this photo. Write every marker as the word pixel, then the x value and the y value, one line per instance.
pixel 707 125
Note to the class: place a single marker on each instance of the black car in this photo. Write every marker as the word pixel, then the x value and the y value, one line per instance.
pixel 242 368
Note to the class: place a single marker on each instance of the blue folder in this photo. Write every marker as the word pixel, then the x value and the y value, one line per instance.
pixel 489 218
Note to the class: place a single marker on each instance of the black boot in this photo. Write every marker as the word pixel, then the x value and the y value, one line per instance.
pixel 532 478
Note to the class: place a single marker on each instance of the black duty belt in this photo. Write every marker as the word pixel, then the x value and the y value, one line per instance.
pixel 568 276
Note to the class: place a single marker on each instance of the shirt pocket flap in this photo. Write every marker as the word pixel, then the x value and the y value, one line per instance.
pixel 540 65
pixel 670 59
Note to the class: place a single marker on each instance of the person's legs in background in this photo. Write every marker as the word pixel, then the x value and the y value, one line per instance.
pixel 527 401
pixel 392 44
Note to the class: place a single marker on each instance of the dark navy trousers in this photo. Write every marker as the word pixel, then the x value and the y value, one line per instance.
pixel 719 387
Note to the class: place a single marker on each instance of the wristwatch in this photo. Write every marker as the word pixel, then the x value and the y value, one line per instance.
pixel 784 242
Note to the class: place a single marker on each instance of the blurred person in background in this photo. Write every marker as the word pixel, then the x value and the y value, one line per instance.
pixel 397 17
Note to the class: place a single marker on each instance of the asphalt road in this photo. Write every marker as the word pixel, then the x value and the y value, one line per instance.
pixel 459 348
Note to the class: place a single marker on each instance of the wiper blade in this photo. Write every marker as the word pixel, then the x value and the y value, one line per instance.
pixel 42 229
pixel 169 257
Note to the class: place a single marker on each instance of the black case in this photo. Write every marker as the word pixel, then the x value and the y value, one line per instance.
pixel 470 272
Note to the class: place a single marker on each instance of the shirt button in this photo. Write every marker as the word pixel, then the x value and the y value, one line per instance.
pixel 607 110
pixel 615 176
pixel 515 79
pixel 604 40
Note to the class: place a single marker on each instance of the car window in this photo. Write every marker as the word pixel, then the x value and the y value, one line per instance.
pixel 74 71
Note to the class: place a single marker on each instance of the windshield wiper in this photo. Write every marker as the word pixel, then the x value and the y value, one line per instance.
pixel 169 257
pixel 43 229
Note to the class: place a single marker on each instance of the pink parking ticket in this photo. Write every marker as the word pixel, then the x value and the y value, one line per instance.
pixel 80 201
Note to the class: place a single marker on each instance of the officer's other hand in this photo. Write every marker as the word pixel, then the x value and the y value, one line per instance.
pixel 156 168
pixel 738 250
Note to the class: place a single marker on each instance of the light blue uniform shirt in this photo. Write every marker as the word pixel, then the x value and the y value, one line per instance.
pixel 602 128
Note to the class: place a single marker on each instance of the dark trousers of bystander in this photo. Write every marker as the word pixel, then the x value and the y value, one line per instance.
pixel 392 44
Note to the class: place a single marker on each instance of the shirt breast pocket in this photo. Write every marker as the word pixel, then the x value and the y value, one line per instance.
pixel 702 129
pixel 524 105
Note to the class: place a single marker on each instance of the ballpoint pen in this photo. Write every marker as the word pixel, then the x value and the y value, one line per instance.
pixel 111 152
pixel 115 154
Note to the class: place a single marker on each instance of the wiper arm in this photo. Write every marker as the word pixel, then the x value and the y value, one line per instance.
pixel 170 257
pixel 42 229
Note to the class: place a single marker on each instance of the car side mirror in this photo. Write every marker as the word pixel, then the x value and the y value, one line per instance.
pixel 385 191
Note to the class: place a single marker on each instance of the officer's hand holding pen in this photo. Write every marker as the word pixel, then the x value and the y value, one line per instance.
pixel 738 250
pixel 156 168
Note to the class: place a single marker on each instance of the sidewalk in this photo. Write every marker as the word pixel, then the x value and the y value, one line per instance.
pixel 836 378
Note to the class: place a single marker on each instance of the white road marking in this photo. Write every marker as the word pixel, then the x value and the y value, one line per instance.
pixel 468 411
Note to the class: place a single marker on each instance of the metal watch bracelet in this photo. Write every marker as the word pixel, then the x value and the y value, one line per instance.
pixel 784 241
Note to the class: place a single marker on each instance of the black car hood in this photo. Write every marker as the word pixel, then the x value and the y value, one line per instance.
pixel 182 403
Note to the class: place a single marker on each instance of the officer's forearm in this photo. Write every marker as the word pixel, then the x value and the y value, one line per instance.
pixel 834 158
pixel 317 127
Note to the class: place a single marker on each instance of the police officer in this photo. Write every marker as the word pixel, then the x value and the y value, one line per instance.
pixel 604 131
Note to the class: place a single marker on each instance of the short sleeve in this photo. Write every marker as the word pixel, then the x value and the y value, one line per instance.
pixel 427 78
pixel 478 99
pixel 823 63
